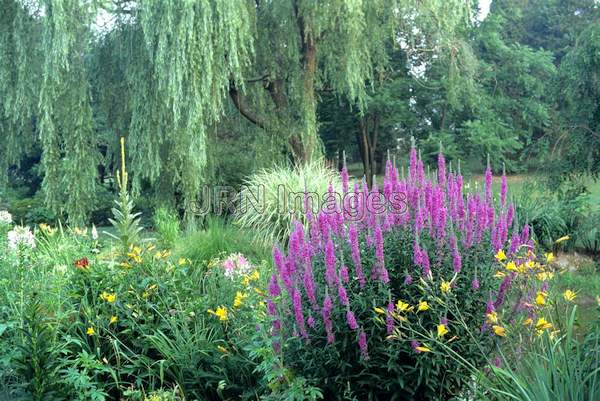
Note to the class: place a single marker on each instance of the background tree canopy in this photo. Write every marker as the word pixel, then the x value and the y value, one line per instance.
pixel 207 91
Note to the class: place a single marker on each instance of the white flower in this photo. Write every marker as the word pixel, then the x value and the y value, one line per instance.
pixel 20 236
pixel 5 217
pixel 236 265
pixel 94 233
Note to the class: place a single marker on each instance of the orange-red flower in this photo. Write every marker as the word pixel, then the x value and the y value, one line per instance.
pixel 82 263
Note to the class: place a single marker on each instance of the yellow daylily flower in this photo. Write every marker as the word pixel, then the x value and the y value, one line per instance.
pixel 543 324
pixel 423 306
pixel 248 278
pixel 569 295
pixel 239 299
pixel 422 348
pixel 442 330
pixel 379 310
pixel 110 298
pixel 528 322
pixel 511 266
pixel 113 319
pixel 492 317
pixel 221 313
pixel 499 274
pixel 500 256
pixel 499 331
pixel 90 331
pixel 545 276
pixel 445 287
pixel 562 239
pixel 403 306
pixel 549 257
pixel 540 298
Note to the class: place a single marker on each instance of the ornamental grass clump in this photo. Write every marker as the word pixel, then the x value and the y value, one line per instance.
pixel 376 296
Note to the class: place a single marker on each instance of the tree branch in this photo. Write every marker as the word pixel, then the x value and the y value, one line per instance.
pixel 240 103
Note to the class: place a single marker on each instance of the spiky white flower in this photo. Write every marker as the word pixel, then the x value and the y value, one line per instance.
pixel 5 218
pixel 236 265
pixel 94 232
pixel 20 236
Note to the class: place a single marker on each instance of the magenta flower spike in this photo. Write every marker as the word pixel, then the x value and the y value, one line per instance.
pixel 353 236
pixel 274 290
pixel 412 169
pixel 299 315
pixel 441 170
pixel 488 185
pixel 456 257
pixel 362 344
pixel 345 179
pixel 344 275
pixel 326 313
pixel 351 320
pixel 342 294
pixel 389 318
pixel 330 261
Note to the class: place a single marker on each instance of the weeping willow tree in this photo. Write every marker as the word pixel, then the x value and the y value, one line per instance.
pixel 75 75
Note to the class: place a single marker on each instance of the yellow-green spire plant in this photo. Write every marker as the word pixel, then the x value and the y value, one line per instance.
pixel 125 221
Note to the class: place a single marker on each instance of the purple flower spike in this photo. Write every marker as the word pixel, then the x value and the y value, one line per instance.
pixel 297 301
pixel 351 319
pixel 274 290
pixel 353 235
pixel 344 274
pixel 408 280
pixel 362 344
pixel 342 294
pixel 475 284
pixel 389 319
pixel 326 312
pixel 441 170
pixel 330 271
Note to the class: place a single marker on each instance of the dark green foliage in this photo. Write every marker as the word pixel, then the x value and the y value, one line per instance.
pixel 31 211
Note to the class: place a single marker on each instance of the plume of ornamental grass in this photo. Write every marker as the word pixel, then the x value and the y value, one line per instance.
pixel 268 195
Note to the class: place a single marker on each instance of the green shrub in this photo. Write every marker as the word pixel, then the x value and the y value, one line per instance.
pixel 373 305
pixel 31 211
pixel 271 220
pixel 217 238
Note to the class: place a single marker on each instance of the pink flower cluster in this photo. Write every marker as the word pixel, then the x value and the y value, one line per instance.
pixel 314 284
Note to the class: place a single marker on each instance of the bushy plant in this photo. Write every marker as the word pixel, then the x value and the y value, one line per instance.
pixel 364 292
pixel 278 197
pixel 31 211
pixel 135 323
pixel 217 238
